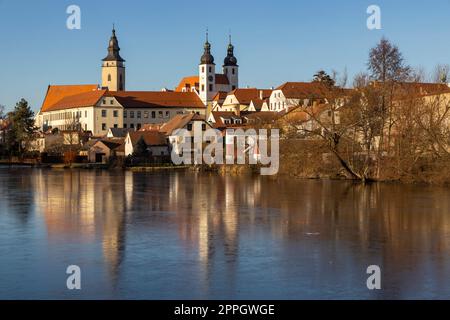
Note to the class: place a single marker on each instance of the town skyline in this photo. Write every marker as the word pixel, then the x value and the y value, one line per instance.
pixel 73 56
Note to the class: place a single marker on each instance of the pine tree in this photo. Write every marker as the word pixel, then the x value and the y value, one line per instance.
pixel 22 127
pixel 325 78
pixel 141 148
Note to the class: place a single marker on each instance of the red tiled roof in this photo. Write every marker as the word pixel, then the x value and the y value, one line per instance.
pixel 221 79
pixel 220 96
pixel 179 121
pixel 191 82
pixel 151 138
pixel 303 90
pixel 194 82
pixel 57 92
pixel 151 99
pixel 112 143
pixel 257 103
pixel 246 95
pixel 85 99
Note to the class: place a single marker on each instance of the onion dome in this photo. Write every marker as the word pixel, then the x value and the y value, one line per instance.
pixel 207 57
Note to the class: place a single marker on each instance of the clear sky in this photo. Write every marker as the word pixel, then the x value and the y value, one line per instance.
pixel 162 41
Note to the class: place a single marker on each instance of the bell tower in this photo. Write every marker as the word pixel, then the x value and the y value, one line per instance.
pixel 207 74
pixel 113 67
pixel 230 67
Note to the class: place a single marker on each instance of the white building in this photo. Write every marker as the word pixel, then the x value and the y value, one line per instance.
pixel 294 94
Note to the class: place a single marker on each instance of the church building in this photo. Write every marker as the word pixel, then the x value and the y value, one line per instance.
pixel 208 83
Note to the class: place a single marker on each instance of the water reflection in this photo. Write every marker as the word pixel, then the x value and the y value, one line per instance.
pixel 186 235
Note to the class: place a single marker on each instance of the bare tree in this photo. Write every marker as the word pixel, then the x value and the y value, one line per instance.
pixel 441 73
pixel 386 62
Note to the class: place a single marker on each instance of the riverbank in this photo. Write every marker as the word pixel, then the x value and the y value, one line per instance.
pixel 292 168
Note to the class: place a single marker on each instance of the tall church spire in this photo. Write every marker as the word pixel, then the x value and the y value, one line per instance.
pixel 113 67
pixel 113 48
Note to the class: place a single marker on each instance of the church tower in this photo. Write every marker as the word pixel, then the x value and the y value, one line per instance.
pixel 207 74
pixel 230 67
pixel 113 68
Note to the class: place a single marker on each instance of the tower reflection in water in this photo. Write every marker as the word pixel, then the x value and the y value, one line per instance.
pixel 249 236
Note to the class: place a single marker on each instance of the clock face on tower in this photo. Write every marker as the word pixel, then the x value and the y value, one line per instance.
pixel 210 78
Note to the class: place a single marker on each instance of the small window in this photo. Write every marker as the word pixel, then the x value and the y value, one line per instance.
pixel 116 126
pixel 111 101
pixel 153 114
pixel 203 87
pixel 204 127
pixel 104 113
pixel 125 125
pixel 85 114
pixel 115 113
pixel 124 114
pixel 109 77
pixel 145 114
pixel 167 114
pixel 139 114
pixel 189 127
pixel 132 126
pixel 203 69
pixel 103 126
pixel 104 101
pixel 210 87
pixel 138 126
pixel 232 71
pixel 160 114
pixel 131 114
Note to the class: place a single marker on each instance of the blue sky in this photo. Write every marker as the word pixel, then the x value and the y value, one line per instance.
pixel 275 41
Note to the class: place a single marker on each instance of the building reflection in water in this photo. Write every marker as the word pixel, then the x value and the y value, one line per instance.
pixel 298 228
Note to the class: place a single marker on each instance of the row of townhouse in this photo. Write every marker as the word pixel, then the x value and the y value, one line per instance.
pixel 281 99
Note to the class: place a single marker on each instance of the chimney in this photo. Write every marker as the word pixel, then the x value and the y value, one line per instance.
pixel 237 110
pixel 261 94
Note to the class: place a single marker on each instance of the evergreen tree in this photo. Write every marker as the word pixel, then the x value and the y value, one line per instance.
pixel 141 148
pixel 22 129
pixel 325 78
